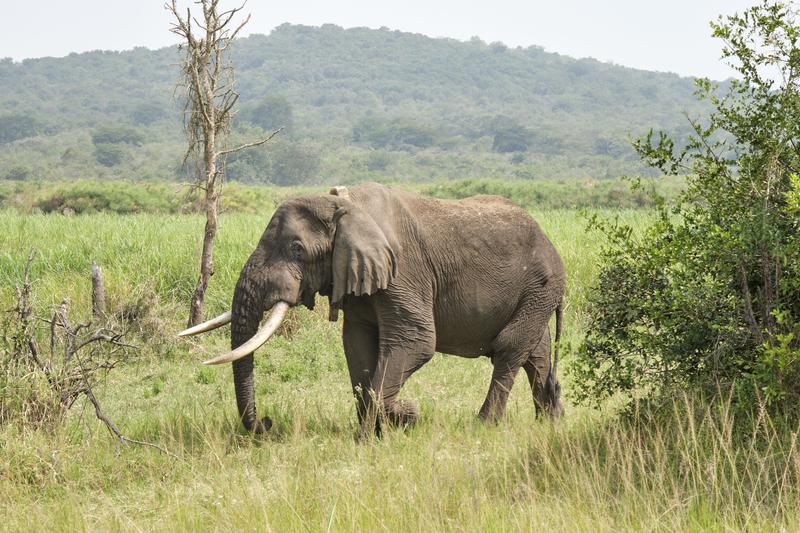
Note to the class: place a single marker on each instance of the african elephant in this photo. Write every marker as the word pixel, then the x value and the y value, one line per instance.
pixel 413 275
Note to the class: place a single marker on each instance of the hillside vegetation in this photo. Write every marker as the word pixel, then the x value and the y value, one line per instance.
pixel 355 104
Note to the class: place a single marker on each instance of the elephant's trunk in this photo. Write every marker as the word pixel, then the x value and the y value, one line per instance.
pixel 259 288
pixel 246 313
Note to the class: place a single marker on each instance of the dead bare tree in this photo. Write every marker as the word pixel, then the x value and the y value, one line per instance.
pixel 209 83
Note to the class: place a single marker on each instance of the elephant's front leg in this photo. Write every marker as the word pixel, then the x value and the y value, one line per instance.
pixel 361 351
pixel 402 351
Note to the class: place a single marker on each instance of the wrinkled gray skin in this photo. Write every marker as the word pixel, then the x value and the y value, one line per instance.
pixel 413 275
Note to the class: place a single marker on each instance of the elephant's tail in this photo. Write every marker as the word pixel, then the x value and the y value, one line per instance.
pixel 559 322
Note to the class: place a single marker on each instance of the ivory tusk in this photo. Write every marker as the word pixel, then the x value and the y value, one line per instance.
pixel 275 318
pixel 208 325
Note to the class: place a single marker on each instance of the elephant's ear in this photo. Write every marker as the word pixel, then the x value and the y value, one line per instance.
pixel 363 260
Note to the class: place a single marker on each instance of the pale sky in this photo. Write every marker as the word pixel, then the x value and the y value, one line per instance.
pixel 671 36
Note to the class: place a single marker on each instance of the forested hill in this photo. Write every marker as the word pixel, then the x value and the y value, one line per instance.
pixel 357 103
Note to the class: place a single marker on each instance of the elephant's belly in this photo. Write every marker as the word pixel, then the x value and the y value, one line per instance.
pixel 469 331
pixel 463 351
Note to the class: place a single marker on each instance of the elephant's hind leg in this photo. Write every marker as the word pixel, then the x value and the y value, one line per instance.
pixel 511 349
pixel 537 367
pixel 502 380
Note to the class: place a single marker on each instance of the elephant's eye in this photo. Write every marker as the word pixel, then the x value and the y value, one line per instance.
pixel 298 250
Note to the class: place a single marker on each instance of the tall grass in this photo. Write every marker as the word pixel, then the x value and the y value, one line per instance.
pixel 689 467
pixel 686 471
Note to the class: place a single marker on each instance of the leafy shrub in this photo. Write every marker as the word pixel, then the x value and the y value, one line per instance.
pixel 118 197
pixel 15 126
pixel 109 155
pixel 398 133
pixel 250 166
pixel 147 113
pixel 710 293
pixel 271 113
pixel 87 196
pixel 18 173
pixel 117 135
pixel 279 163
pixel 552 194
pixel 509 135
pixel 293 163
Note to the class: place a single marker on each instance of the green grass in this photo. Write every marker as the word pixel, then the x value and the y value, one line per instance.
pixel 591 471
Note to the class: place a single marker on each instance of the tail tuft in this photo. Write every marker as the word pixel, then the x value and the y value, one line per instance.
pixel 559 322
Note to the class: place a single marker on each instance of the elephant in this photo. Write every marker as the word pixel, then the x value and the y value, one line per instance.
pixel 413 275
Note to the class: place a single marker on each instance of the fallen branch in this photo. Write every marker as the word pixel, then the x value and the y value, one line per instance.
pixel 78 354
pixel 112 427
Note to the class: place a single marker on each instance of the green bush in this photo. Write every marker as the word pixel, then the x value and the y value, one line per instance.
pixel 509 135
pixel 109 155
pixel 709 295
pixel 18 173
pixel 398 133
pixel 123 197
pixel 558 194
pixel 147 113
pixel 279 162
pixel 271 113
pixel 117 135
pixel 15 126
pixel 117 196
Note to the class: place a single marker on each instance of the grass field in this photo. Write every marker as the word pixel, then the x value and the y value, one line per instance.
pixel 686 469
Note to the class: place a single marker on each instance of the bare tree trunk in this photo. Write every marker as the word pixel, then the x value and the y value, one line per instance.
pixel 206 86
pixel 98 292
pixel 211 203
pixel 207 257
pixel 206 264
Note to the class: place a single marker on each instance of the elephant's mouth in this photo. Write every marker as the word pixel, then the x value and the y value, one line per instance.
pixel 307 297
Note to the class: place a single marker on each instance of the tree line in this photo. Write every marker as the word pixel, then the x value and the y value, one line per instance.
pixel 354 103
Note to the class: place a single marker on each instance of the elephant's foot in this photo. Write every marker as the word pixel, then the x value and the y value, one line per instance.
pixel 403 413
pixel 491 413
pixel 262 426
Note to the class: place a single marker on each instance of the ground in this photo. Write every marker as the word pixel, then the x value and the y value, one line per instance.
pixel 590 471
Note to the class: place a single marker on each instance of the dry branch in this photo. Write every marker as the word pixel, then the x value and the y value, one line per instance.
pixel 250 145
pixel 79 356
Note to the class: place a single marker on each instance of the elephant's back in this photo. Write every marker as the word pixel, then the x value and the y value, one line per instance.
pixel 485 223
pixel 479 232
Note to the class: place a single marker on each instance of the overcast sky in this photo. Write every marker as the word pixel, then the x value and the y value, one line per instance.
pixel 659 35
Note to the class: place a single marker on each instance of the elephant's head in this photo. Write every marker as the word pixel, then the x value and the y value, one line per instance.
pixel 321 244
